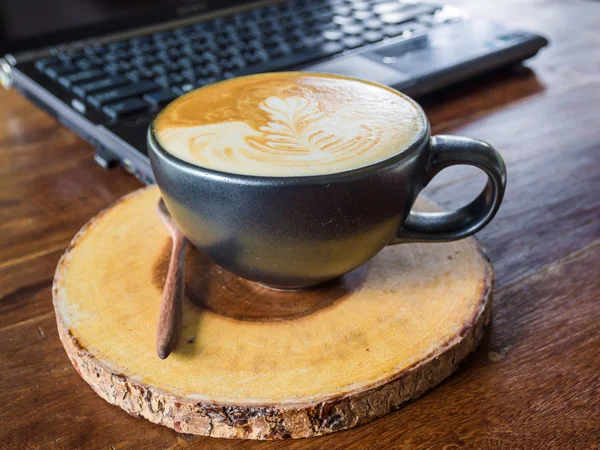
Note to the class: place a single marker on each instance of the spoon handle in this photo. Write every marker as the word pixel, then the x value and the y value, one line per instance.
pixel 169 319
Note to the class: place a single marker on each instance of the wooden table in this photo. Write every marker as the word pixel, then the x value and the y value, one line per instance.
pixel 534 382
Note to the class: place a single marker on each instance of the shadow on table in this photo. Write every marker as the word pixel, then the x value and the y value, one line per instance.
pixel 208 287
pixel 478 95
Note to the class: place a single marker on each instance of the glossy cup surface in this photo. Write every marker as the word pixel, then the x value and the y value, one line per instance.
pixel 299 231
pixel 292 232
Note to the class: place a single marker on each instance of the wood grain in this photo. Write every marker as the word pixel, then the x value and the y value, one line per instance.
pixel 355 349
pixel 534 382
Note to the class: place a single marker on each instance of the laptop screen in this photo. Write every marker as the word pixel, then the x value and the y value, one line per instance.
pixel 30 24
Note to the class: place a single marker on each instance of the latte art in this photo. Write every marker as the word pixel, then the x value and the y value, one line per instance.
pixel 288 124
pixel 297 135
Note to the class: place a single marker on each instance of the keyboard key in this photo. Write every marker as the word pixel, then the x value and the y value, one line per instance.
pixel 205 81
pixel 187 50
pixel 407 14
pixel 272 41
pixel 117 45
pixel 274 52
pixel 83 90
pixel 333 35
pixel 362 15
pixel 209 70
pixel 190 74
pixel 191 61
pixel 361 6
pixel 55 71
pixel 174 53
pixel 169 80
pixel 343 20
pixel 124 66
pixel 209 46
pixel 86 64
pixel 416 25
pixel 342 10
pixel 144 49
pixel 162 35
pixel 97 50
pixel 41 64
pixel 256 56
pixel 372 24
pixel 239 63
pixel 160 69
pixel 396 30
pixel 352 29
pixel 314 40
pixel 229 53
pixel 96 59
pixel 116 55
pixel 353 41
pixel 330 48
pixel 146 61
pixel 204 26
pixel 79 77
pixel 114 95
pixel 180 90
pixel 323 16
pixel 128 106
pixel 140 74
pixel 160 97
pixel 115 68
pixel 257 45
pixel 69 56
pixel 163 57
pixel 388 7
pixel 138 62
pixel 183 30
pixel 200 37
pixel 209 56
pixel 167 43
pixel 373 36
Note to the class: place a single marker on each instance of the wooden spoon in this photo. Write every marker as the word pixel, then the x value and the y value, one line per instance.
pixel 169 320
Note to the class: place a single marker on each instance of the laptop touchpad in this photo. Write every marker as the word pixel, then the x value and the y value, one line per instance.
pixel 360 67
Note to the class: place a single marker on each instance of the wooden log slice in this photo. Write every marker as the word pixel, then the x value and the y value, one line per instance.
pixel 255 363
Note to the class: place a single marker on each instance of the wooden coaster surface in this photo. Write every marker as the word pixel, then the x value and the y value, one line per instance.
pixel 255 363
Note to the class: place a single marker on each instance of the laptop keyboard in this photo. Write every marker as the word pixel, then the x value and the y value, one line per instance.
pixel 143 73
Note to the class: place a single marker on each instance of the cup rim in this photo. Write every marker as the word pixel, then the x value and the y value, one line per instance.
pixel 155 146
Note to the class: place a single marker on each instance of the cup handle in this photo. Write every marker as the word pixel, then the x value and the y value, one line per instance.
pixel 448 151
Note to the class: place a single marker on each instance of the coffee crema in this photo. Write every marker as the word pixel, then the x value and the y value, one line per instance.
pixel 288 124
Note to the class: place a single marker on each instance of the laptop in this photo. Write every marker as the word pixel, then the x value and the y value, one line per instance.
pixel 104 68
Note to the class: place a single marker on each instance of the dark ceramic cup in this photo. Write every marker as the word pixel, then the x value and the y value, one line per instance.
pixel 297 232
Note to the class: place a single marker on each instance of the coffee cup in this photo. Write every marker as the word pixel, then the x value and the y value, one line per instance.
pixel 294 179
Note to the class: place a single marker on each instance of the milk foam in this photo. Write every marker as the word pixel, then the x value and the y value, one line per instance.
pixel 288 124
